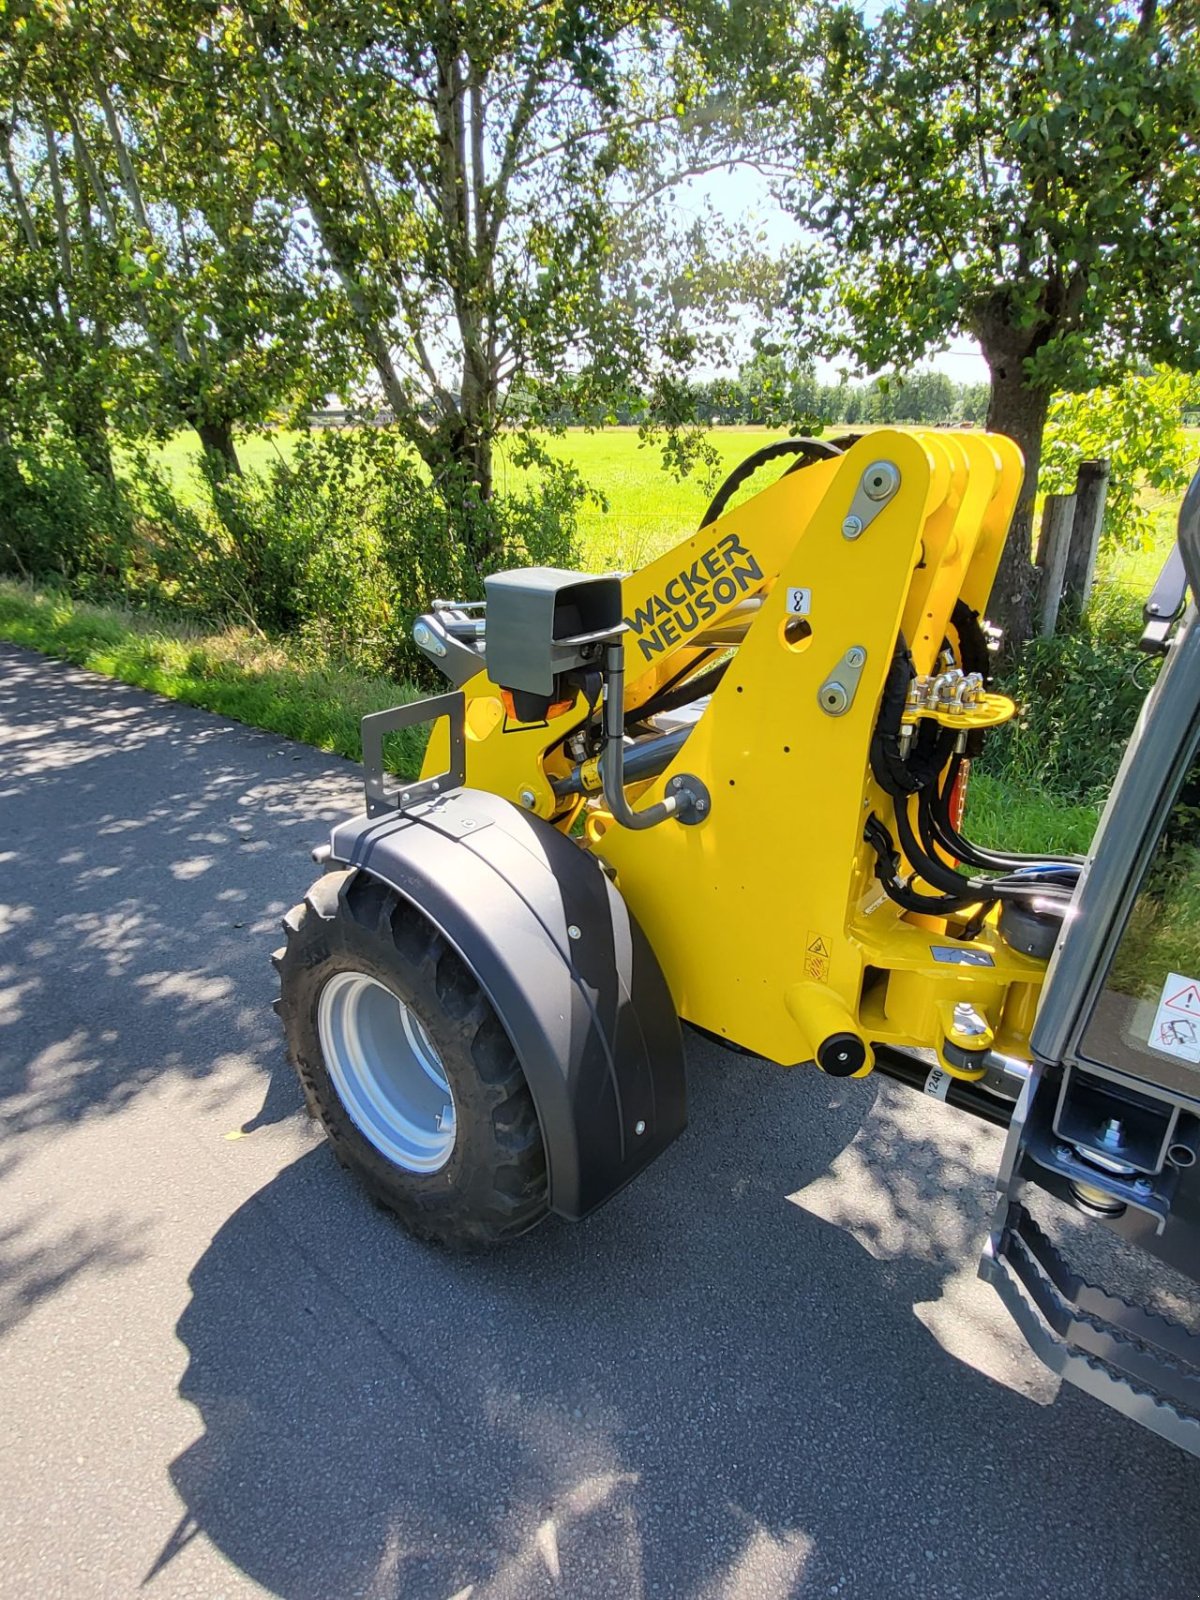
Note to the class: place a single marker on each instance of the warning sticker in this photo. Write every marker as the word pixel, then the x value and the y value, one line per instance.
pixel 1176 1028
pixel 816 956
pixel 955 955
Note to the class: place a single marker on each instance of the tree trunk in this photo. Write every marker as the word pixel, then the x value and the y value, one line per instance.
pixel 85 422
pixel 93 446
pixel 216 439
pixel 1019 410
pixel 475 456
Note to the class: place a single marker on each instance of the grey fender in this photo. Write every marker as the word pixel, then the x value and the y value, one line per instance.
pixel 569 972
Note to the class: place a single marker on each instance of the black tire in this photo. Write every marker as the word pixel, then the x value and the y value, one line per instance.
pixel 493 1185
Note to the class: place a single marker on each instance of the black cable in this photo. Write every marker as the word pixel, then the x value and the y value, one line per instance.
pixel 952 840
pixel 939 875
pixel 815 449
pixel 887 871
pixel 917 769
pixel 1059 874
pixel 925 826
pixel 679 693
pixel 897 771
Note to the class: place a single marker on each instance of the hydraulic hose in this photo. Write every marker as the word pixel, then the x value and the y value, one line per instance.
pixel 612 758
pixel 1013 870
pixel 678 692
pixel 941 876
pixel 814 449
pixel 887 871
pixel 915 767
pixel 976 855
pixel 647 759
pixel 901 774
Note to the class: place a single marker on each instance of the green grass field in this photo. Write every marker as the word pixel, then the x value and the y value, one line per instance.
pixel 645 509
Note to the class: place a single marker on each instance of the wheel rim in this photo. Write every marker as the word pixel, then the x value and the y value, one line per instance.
pixel 386 1071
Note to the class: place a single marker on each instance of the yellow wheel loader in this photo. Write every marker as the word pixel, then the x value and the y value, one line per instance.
pixel 727 790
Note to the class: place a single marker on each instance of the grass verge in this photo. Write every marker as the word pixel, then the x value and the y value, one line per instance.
pixel 264 683
pixel 271 684
pixel 1011 816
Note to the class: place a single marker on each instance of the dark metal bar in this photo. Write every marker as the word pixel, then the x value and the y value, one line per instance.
pixel 962 1093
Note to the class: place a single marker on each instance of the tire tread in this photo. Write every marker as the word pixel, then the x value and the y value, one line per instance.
pixel 339 913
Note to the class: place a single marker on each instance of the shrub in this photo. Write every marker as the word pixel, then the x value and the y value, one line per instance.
pixel 60 522
pixel 348 541
pixel 1078 695
pixel 1137 426
pixel 343 544
pixel 301 550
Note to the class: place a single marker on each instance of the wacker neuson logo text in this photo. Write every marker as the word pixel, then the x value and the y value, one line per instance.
pixel 713 581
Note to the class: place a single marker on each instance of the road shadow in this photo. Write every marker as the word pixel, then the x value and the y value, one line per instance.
pixel 703 1390
pixel 142 849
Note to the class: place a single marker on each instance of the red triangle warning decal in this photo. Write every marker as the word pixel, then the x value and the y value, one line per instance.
pixel 1188 999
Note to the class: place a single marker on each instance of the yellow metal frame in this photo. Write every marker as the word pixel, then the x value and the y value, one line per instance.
pixel 767 917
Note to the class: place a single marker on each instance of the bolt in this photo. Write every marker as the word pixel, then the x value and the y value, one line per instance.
pixel 880 480
pixel 855 656
pixel 1110 1134
pixel 1063 1152
pixel 573 932
pixel 528 799
pixel 701 805
pixel 639 1128
pixel 967 1020
pixel 852 527
pixel 425 639
pixel 1143 1187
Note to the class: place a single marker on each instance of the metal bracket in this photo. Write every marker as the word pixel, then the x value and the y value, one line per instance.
pixel 694 800
pixel 876 487
pixel 836 694
pixel 381 797
pixel 448 639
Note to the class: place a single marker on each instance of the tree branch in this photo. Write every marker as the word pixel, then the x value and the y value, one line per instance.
pixel 24 216
pixel 133 193
pixel 61 221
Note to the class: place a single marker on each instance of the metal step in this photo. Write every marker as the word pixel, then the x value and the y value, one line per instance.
pixel 1142 1364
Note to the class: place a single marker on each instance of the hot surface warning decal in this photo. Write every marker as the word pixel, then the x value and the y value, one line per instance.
pixel 816 957
pixel 1176 1030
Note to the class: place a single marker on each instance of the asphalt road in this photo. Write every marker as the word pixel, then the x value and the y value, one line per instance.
pixel 765 1370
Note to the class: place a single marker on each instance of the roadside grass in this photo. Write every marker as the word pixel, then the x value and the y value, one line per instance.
pixel 264 683
pixel 1009 816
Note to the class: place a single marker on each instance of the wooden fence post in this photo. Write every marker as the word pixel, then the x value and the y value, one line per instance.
pixel 1058 520
pixel 1091 491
